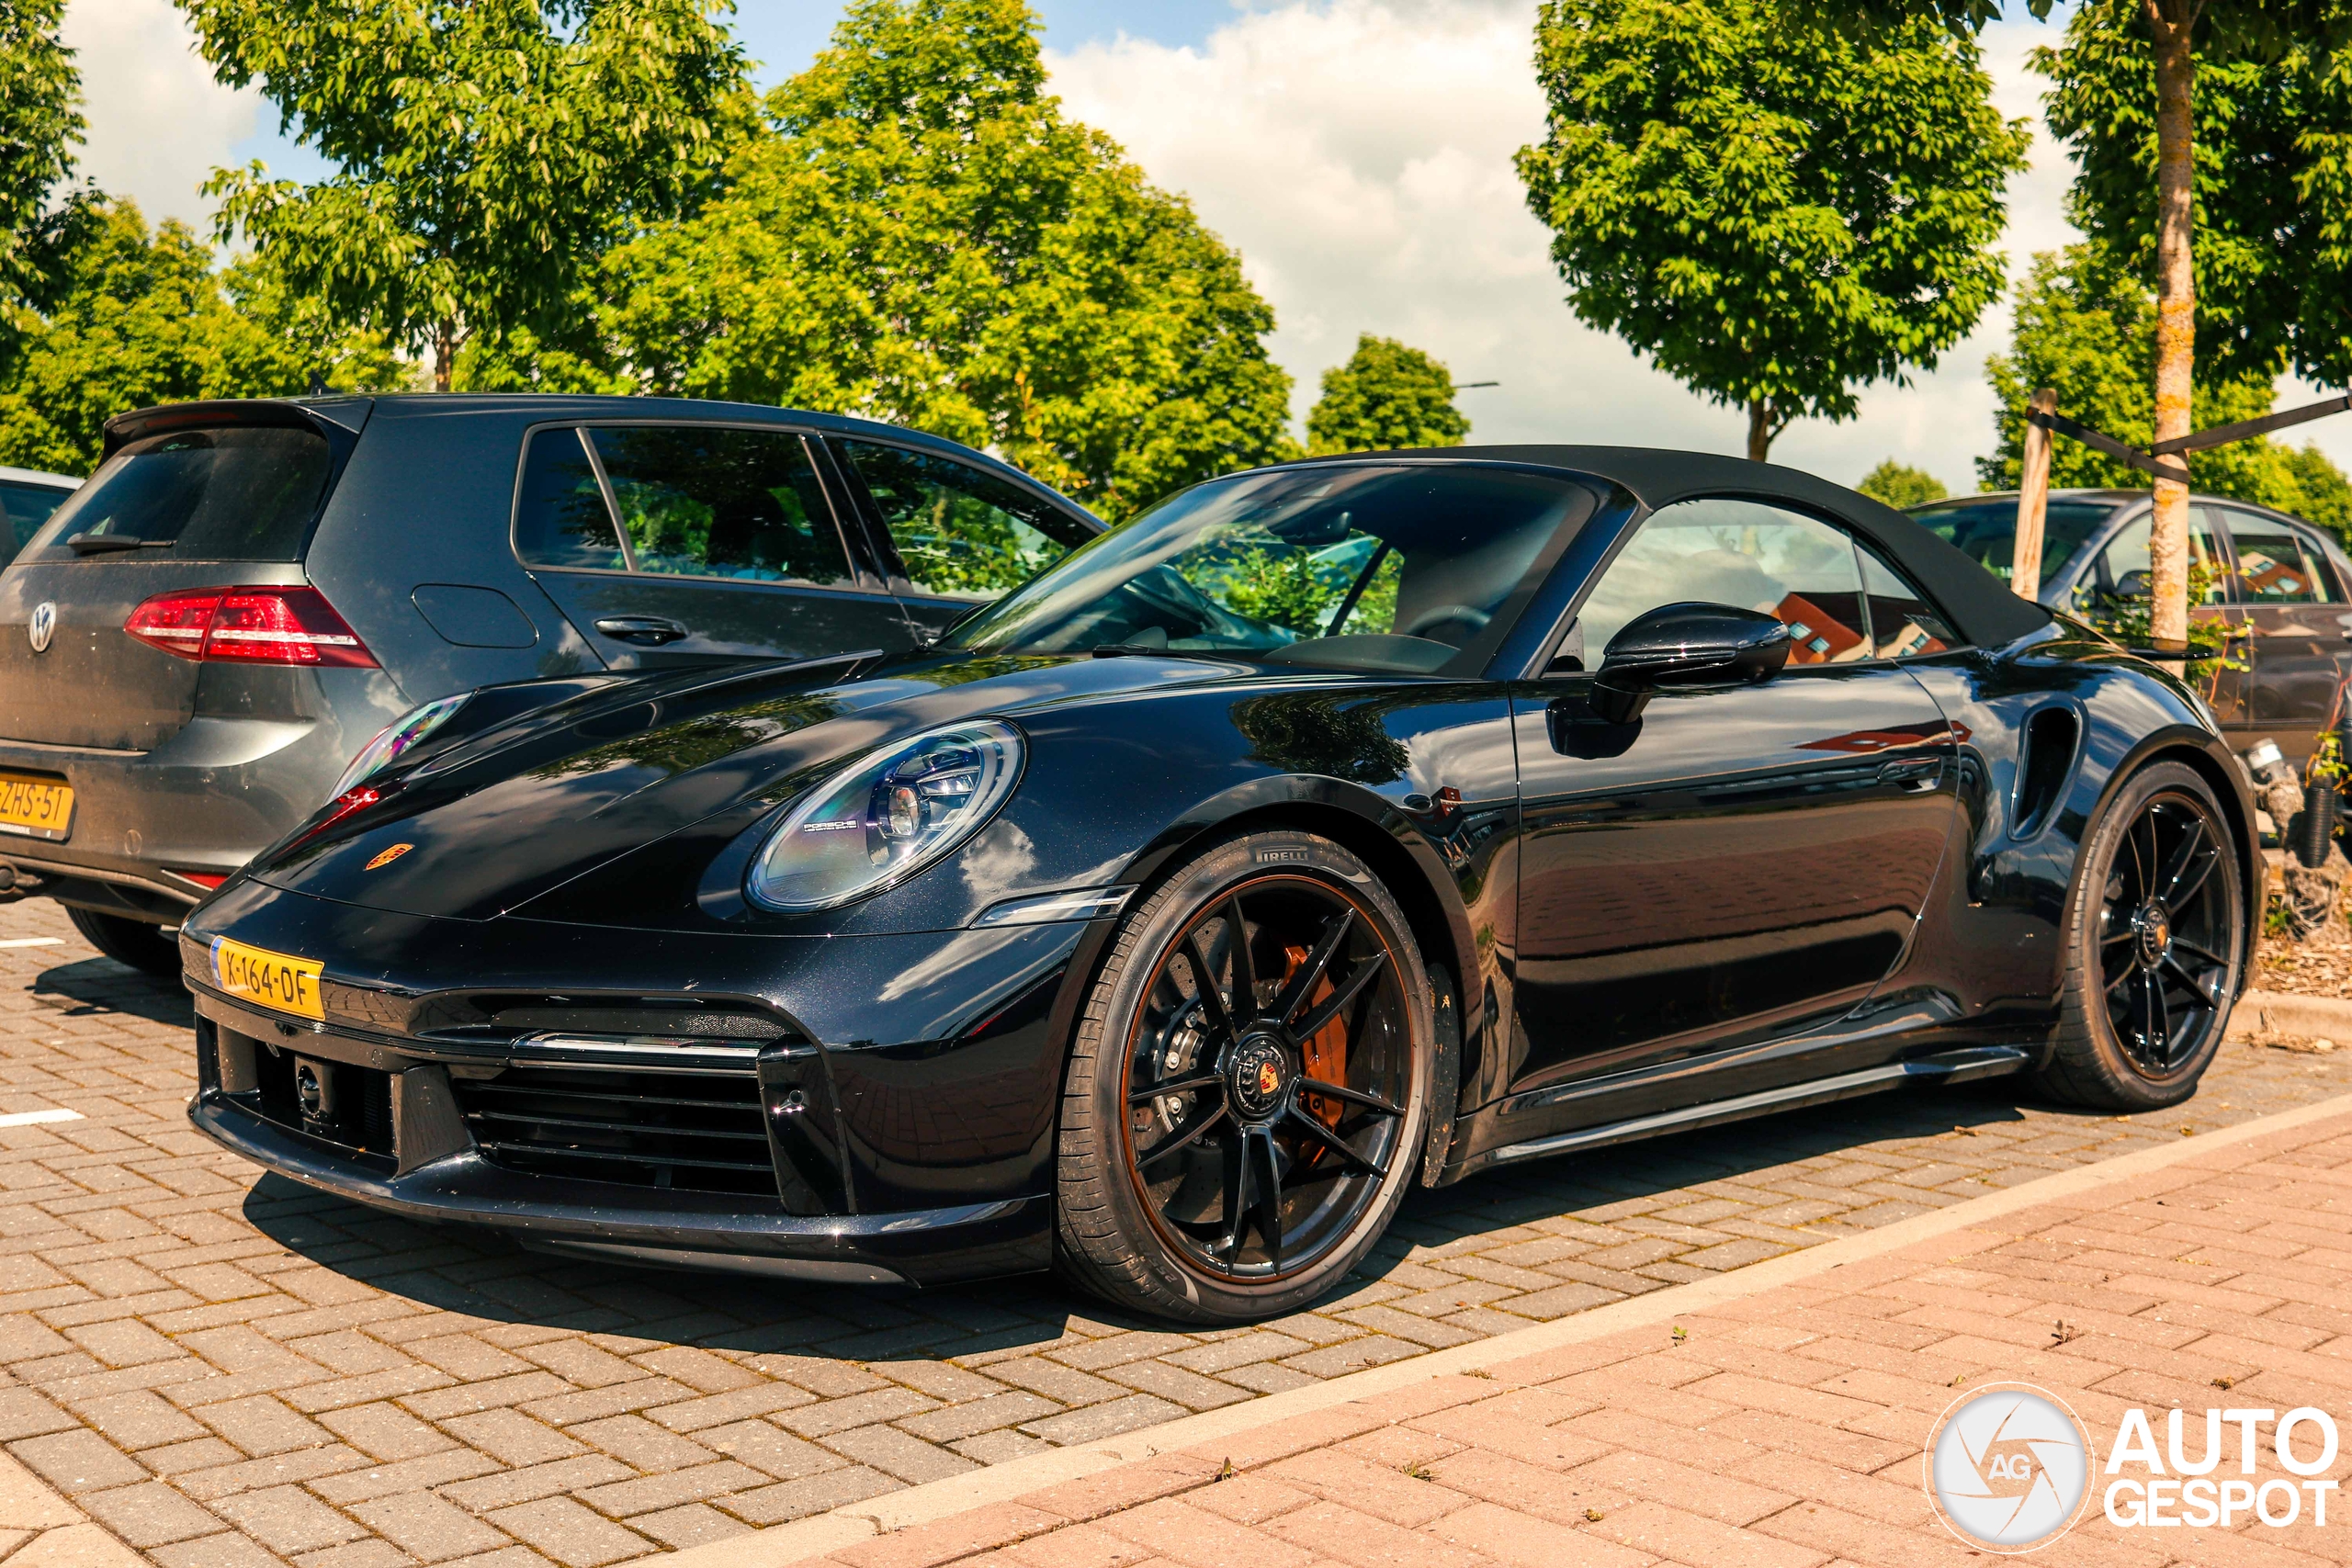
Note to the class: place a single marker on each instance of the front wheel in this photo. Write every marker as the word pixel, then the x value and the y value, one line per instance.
pixel 1249 1089
pixel 2155 946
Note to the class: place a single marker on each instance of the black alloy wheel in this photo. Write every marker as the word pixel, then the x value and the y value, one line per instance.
pixel 2158 945
pixel 2162 933
pixel 1262 1066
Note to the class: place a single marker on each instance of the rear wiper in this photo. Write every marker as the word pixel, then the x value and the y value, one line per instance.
pixel 103 544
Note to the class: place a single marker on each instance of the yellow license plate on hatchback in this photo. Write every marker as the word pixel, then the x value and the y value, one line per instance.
pixel 41 807
pixel 275 980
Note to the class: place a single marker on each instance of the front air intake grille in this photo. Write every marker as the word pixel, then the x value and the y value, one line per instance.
pixel 695 1131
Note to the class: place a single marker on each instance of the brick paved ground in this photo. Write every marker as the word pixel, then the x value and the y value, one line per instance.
pixel 1785 1429
pixel 228 1369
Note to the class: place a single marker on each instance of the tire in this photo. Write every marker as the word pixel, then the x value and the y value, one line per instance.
pixel 1230 1189
pixel 142 946
pixel 2158 910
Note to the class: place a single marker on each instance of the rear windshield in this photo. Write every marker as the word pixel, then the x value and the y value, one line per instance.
pixel 22 509
pixel 1987 530
pixel 244 492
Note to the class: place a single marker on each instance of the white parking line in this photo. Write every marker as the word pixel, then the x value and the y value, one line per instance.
pixel 34 1118
pixel 34 942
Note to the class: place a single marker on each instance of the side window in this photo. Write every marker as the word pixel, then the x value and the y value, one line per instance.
pixel 1901 622
pixel 2275 566
pixel 22 509
pixel 2123 571
pixel 703 501
pixel 1722 551
pixel 958 530
pixel 561 519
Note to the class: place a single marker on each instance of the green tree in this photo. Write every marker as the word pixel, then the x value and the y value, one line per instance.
pixel 1900 485
pixel 144 319
pixel 487 152
pixel 1385 397
pixel 38 126
pixel 923 238
pixel 2086 326
pixel 1777 213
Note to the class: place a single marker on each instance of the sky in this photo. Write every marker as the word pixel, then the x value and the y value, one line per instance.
pixel 1357 152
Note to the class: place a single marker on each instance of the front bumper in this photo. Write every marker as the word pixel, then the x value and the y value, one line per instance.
pixel 894 1122
pixel 929 1247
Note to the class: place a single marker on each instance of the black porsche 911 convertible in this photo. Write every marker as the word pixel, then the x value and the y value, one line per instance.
pixel 1326 829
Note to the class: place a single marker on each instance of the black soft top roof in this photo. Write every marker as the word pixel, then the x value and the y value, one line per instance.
pixel 1979 604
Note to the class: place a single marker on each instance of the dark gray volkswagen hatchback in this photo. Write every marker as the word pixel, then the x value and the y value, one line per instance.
pixel 198 643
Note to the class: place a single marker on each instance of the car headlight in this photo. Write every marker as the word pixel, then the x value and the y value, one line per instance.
pixel 395 738
pixel 886 815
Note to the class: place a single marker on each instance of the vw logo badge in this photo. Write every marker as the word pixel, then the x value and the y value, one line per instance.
pixel 43 625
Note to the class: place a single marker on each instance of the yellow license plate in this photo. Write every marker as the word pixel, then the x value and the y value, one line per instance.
pixel 41 808
pixel 276 980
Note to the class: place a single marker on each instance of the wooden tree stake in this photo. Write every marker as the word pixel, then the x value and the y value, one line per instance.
pixel 2033 502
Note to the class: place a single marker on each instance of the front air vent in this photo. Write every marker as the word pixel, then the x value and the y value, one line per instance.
pixel 2047 761
pixel 700 1132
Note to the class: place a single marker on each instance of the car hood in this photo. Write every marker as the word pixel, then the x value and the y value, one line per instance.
pixel 488 826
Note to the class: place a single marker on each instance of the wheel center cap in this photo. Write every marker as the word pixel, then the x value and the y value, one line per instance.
pixel 2154 929
pixel 1258 1076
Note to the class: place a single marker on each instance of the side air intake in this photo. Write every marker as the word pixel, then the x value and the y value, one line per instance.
pixel 2047 763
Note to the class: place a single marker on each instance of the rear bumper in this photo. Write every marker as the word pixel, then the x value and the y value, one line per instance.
pixel 207 800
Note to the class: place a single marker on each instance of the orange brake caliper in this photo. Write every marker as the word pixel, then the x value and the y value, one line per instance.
pixel 1326 1054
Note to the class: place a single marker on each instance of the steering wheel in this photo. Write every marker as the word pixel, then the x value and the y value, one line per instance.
pixel 1439 614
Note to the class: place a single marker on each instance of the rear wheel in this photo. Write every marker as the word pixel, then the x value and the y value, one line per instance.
pixel 135 942
pixel 1248 1091
pixel 2155 945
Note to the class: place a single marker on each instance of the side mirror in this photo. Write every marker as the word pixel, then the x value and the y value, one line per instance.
pixel 1687 644
pixel 2134 585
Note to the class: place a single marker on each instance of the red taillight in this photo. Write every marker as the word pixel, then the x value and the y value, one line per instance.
pixel 175 622
pixel 205 878
pixel 249 625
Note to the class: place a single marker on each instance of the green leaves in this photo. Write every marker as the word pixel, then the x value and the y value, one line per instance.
pixel 1900 485
pixel 2273 142
pixel 142 319
pixel 39 125
pixel 920 237
pixel 1776 212
pixel 1385 397
pixel 488 151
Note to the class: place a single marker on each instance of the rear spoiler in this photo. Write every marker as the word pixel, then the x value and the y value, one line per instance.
pixel 338 419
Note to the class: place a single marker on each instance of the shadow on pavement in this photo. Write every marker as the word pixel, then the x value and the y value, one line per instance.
pixel 483 1274
pixel 101 985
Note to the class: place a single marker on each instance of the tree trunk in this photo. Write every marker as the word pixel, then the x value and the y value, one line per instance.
pixel 446 339
pixel 2176 308
pixel 1759 430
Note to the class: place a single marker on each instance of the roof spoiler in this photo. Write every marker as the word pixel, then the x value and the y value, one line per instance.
pixel 330 417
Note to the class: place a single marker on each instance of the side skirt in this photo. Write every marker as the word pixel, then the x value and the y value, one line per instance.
pixel 1948 1068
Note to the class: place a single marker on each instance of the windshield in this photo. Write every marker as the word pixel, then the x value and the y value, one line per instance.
pixel 1987 530
pixel 1388 567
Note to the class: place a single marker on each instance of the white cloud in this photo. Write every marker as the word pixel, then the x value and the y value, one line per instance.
pixel 1359 153
pixel 159 123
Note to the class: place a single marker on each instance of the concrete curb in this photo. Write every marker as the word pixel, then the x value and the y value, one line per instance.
pixel 2284 1012
pixel 821 1533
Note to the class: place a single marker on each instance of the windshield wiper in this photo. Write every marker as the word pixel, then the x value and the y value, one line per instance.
pixel 1128 651
pixel 103 544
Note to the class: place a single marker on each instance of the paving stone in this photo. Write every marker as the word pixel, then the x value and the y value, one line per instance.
pixel 253 1341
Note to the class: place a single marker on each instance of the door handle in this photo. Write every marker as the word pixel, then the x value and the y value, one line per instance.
pixel 651 630
pixel 1914 773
